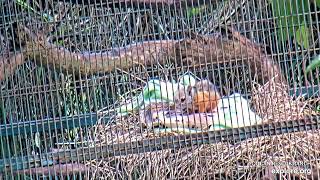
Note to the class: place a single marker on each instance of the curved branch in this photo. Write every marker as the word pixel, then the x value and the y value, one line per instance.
pixel 195 51
pixel 61 169
pixel 177 3
pixel 145 53
pixel 9 63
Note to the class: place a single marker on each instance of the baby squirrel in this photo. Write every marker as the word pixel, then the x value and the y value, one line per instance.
pixel 205 97
pixel 201 98
pixel 183 98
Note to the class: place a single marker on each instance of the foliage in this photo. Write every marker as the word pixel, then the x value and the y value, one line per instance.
pixel 292 20
pixel 317 3
pixel 314 64
pixel 27 7
pixel 194 11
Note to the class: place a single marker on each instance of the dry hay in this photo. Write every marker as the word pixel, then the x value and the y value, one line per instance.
pixel 243 160
pixel 272 102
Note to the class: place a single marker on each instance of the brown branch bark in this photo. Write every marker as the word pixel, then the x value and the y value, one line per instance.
pixel 213 49
pixel 263 66
pixel 9 63
pixel 61 169
pixel 146 53
pixel 177 3
pixel 192 52
pixel 172 2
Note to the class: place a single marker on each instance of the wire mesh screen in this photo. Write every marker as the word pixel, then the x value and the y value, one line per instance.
pixel 155 89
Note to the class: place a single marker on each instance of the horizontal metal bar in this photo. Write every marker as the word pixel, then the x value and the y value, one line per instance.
pixel 306 91
pixel 162 143
pixel 40 125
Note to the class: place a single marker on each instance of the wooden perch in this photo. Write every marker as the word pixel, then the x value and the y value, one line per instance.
pixel 9 63
pixel 177 3
pixel 145 53
pixel 263 66
pixel 191 52
pixel 61 169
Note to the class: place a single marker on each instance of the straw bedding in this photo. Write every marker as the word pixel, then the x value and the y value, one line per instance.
pixel 257 158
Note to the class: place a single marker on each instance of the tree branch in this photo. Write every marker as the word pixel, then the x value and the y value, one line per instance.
pixel 61 169
pixel 192 52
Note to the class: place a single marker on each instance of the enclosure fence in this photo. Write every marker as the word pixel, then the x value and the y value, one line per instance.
pixel 159 89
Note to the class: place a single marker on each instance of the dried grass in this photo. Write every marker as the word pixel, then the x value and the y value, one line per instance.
pixel 243 160
pixel 272 102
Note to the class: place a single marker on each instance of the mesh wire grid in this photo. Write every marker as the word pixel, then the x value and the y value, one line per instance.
pixel 67 67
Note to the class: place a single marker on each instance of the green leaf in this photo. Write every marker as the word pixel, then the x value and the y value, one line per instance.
pixel 288 14
pixel 302 36
pixel 317 3
pixel 25 5
pixel 314 64
pixel 195 11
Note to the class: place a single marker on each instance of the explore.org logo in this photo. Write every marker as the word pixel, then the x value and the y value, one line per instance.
pixel 286 167
pixel 306 171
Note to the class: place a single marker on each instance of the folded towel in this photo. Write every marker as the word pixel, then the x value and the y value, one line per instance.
pixel 234 111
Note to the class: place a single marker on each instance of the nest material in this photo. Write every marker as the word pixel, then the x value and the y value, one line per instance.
pixel 273 103
pixel 251 159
